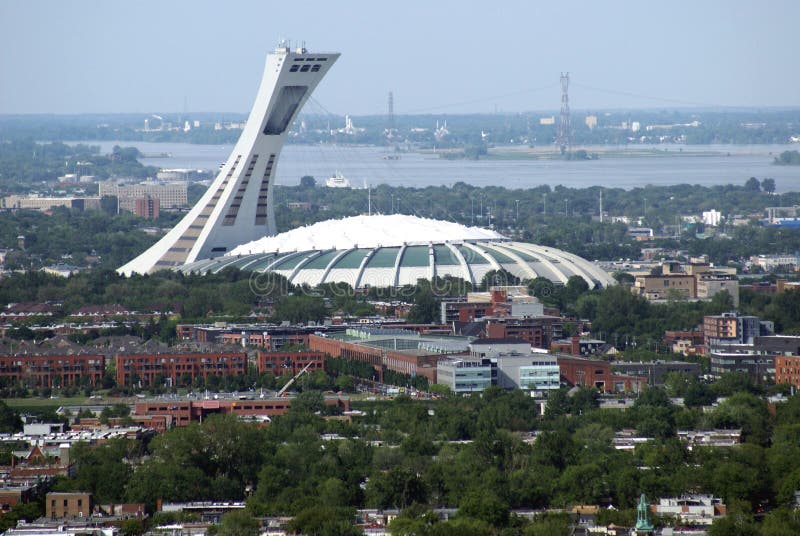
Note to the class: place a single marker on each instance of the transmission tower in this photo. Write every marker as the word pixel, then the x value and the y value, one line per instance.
pixel 564 139
pixel 390 115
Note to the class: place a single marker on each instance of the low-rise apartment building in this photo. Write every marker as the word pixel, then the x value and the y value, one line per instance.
pixel 282 363
pixel 52 370
pixel 177 368
pixel 68 505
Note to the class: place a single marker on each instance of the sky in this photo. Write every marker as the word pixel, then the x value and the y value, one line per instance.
pixel 437 57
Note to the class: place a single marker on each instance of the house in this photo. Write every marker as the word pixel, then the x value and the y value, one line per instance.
pixel 691 509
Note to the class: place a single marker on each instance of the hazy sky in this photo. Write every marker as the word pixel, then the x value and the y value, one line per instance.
pixel 436 56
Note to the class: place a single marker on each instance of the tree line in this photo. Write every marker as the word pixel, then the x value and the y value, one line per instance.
pixel 484 455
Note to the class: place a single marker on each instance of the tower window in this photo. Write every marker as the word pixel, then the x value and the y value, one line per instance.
pixel 284 108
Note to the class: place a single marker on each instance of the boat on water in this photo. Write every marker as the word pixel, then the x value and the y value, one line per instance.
pixel 337 180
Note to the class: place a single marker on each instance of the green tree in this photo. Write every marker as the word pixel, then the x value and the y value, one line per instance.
pixel 733 525
pixel 10 420
pixel 747 412
pixel 426 308
pixel 238 523
pixel 485 506
pixel 550 525
pixel 324 521
pixel 300 309
pixel 753 185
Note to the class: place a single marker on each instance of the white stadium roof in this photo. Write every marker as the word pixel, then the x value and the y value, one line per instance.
pixel 367 232
pixel 396 250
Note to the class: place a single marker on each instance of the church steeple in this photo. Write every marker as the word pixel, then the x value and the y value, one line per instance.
pixel 643 524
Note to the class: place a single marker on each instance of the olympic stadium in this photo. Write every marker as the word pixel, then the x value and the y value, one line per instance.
pixel 397 250
pixel 233 223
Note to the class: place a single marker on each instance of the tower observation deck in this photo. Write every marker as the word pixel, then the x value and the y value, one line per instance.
pixel 238 206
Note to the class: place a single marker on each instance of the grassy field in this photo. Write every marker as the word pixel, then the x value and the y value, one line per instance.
pixel 38 404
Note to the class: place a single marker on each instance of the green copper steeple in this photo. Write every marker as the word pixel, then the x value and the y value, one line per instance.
pixel 643 523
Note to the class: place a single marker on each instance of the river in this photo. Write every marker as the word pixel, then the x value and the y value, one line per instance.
pixel 705 165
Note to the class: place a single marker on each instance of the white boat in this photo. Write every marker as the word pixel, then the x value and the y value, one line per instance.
pixel 337 181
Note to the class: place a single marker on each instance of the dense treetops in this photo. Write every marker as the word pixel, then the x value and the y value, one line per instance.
pixel 788 158
pixel 470 453
pixel 26 164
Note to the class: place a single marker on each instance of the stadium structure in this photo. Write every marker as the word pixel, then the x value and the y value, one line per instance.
pixel 233 224
pixel 238 205
pixel 396 250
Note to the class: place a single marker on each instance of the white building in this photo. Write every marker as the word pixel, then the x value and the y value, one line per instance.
pixel 170 195
pixel 773 262
pixel 536 372
pixel 692 509
pixel 518 367
pixel 464 375
pixel 712 218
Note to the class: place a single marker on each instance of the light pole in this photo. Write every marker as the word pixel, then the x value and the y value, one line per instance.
pixel 472 210
pixel 516 219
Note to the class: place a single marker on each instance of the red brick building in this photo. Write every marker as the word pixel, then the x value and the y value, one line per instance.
pixel 539 331
pixel 177 368
pixel 271 338
pixel 787 369
pixel 147 207
pixel 288 362
pixel 597 373
pixel 39 463
pixel 11 495
pixel 346 350
pixel 181 413
pixel 52 370
pixel 411 362
pixel 158 423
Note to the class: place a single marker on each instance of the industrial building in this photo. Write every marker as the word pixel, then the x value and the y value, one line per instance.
pixel 399 350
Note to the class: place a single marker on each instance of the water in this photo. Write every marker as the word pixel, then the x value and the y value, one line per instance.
pixel 705 165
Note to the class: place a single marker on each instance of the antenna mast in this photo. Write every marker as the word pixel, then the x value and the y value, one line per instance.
pixel 601 206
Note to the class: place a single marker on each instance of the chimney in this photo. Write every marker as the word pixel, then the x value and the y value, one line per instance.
pixel 498 296
pixel 575 346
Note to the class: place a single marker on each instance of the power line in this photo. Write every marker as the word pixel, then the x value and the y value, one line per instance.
pixel 648 97
pixel 480 100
